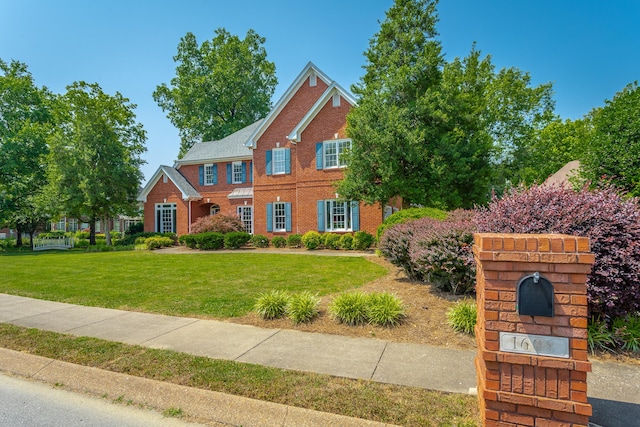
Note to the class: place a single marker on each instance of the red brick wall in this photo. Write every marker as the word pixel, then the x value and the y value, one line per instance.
pixel 305 185
pixel 165 193
pixel 522 389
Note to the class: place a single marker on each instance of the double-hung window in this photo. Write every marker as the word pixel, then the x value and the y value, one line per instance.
pixel 331 154
pixel 338 215
pixel 237 173
pixel 208 175
pixel 278 161
pixel 279 217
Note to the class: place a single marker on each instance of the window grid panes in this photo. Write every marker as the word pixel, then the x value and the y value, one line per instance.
pixel 278 160
pixel 246 216
pixel 333 151
pixel 279 217
pixel 237 172
pixel 338 215
pixel 208 174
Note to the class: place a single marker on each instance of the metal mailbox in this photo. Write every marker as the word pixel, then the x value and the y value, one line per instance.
pixel 534 296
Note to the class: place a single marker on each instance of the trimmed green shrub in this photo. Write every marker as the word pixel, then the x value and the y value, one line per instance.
pixel 82 235
pixel 80 243
pixel 218 223
pixel 409 214
pixel 346 241
pixel 272 304
pixel 384 309
pixel 260 241
pixel 331 241
pixel 463 316
pixel 236 239
pixel 187 240
pixel 209 241
pixel 350 308
pixel 312 240
pixel 362 240
pixel 7 243
pixel 136 228
pixel 611 222
pixel 302 307
pixel 158 242
pixel 138 238
pixel 279 242
pixel 294 241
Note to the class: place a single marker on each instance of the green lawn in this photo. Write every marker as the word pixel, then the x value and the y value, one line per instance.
pixel 215 284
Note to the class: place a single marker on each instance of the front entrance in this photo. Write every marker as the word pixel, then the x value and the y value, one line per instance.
pixel 245 213
pixel 166 217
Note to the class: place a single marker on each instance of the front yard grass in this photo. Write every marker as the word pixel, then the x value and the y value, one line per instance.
pixel 213 285
pixel 407 406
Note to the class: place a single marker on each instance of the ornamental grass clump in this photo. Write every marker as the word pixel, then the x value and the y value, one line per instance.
pixel 303 307
pixel 272 304
pixel 385 309
pixel 462 317
pixel 610 220
pixel 350 308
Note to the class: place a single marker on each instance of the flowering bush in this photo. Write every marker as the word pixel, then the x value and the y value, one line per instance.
pixel 435 251
pixel 611 222
pixel 217 223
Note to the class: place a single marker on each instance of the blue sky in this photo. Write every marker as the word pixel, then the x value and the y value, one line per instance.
pixel 588 49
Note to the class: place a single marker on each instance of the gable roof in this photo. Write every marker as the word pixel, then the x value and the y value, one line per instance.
pixel 564 175
pixel 307 71
pixel 187 190
pixel 228 148
pixel 333 89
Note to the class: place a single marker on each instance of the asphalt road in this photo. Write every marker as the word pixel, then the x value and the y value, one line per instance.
pixel 31 404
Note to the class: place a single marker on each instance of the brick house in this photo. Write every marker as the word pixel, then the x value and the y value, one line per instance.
pixel 276 174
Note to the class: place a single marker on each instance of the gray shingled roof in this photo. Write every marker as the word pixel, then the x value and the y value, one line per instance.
pixel 232 146
pixel 188 192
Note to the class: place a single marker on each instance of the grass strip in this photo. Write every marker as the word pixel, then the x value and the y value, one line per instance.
pixel 209 285
pixel 408 406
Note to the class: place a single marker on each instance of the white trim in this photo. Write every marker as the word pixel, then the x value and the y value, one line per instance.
pixel 324 150
pixel 284 100
pixel 142 196
pixel 333 89
pixel 180 163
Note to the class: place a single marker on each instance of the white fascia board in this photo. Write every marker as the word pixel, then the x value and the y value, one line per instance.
pixel 284 100
pixel 212 161
pixel 334 88
pixel 142 197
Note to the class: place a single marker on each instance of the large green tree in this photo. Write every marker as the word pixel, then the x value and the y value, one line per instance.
pixel 614 148
pixel 25 121
pixel 220 86
pixel 95 155
pixel 434 132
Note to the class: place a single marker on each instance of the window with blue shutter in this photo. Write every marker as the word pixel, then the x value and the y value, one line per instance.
pixel 270 217
pixel 201 175
pixel 320 215
pixel 229 173
pixel 319 155
pixel 269 165
pixel 287 219
pixel 215 174
pixel 355 216
pixel 244 173
pixel 287 160
pixel 251 171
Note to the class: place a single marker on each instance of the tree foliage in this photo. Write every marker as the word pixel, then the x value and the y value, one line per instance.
pixel 221 86
pixel 95 154
pixel 614 149
pixel 25 121
pixel 433 131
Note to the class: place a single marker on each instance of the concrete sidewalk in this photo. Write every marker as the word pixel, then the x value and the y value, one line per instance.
pixel 614 389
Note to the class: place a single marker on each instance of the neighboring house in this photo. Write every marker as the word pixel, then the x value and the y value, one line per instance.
pixel 6 232
pixel 564 175
pixel 277 174
pixel 120 224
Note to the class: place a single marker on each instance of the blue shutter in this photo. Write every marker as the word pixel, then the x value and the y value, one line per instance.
pixel 215 174
pixel 320 215
pixel 287 218
pixel 287 160
pixel 201 175
pixel 244 172
pixel 318 155
pixel 269 216
pixel 229 173
pixel 251 171
pixel 355 216
pixel 269 167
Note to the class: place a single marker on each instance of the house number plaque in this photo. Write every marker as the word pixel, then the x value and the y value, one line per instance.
pixel 539 345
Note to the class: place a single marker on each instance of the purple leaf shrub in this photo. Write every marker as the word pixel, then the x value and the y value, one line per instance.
pixel 217 223
pixel 611 221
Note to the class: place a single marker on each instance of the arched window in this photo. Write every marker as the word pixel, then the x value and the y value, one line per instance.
pixel 214 209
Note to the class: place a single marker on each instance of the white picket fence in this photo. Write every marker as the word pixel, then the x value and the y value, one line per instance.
pixel 42 244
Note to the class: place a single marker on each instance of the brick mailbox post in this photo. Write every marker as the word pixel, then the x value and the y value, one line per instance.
pixel 532 329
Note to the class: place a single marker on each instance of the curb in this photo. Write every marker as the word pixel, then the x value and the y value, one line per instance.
pixel 197 405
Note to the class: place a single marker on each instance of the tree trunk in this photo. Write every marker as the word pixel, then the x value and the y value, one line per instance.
pixel 107 230
pixel 31 233
pixel 18 235
pixel 92 231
